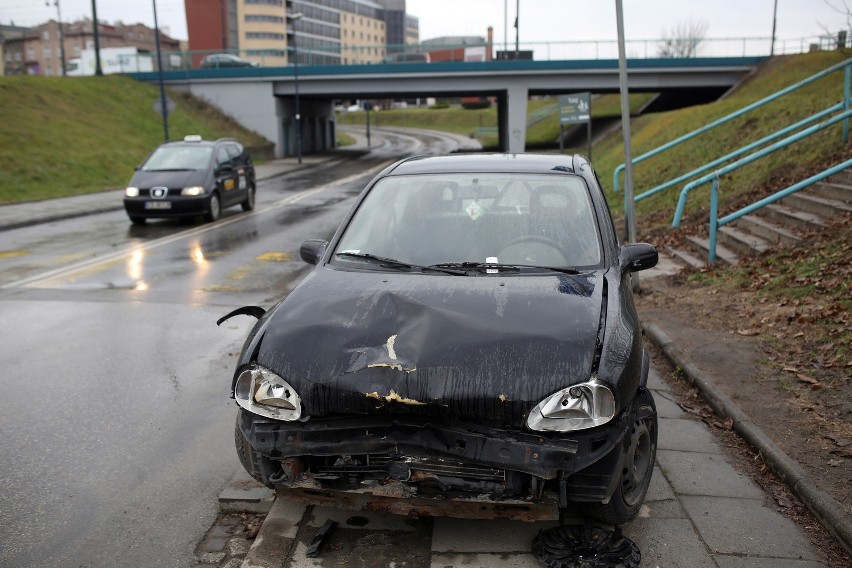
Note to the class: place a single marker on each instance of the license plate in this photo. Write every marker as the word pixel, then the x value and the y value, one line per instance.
pixel 158 205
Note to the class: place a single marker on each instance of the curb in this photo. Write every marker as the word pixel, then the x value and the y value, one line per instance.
pixel 825 508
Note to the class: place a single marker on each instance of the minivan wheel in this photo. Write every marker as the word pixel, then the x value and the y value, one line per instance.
pixel 214 209
pixel 248 204
pixel 138 220
pixel 637 465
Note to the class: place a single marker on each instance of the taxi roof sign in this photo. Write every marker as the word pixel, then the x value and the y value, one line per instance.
pixel 192 138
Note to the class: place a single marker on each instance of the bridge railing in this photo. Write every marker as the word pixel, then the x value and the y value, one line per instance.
pixel 346 54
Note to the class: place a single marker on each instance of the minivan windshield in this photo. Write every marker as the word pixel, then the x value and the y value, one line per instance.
pixel 180 157
pixel 452 219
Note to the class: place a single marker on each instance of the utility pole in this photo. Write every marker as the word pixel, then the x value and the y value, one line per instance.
pixel 630 204
pixel 294 18
pixel 222 20
pixel 517 27
pixel 774 21
pixel 164 108
pixel 61 35
pixel 95 31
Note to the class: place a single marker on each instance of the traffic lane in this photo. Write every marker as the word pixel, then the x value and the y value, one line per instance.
pixel 117 430
pixel 257 252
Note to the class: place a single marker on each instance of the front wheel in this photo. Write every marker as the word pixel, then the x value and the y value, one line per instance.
pixel 248 204
pixel 637 464
pixel 138 220
pixel 214 209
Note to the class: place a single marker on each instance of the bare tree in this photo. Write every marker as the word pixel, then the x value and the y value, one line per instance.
pixel 842 8
pixel 683 39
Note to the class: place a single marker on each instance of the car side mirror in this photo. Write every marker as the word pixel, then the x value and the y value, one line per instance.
pixel 312 250
pixel 638 256
pixel 227 167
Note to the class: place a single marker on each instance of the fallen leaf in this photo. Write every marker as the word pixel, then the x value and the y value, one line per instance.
pixel 826 347
pixel 834 463
pixel 807 379
pixel 791 369
pixel 842 452
pixel 838 441
pixel 749 332
pixel 800 334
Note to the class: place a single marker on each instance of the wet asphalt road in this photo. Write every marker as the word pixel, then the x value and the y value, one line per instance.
pixel 117 426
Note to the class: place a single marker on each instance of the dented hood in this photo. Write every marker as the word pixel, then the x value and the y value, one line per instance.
pixel 471 347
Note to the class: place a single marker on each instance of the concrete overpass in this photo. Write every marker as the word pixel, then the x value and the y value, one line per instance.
pixel 262 98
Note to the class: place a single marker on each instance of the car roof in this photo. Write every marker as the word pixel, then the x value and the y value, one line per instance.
pixel 526 163
pixel 200 142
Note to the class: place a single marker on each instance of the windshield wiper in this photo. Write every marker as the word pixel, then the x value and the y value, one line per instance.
pixel 486 265
pixel 398 264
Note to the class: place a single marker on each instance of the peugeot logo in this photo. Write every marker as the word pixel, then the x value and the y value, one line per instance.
pixel 159 192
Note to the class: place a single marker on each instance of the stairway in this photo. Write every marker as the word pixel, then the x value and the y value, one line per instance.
pixel 784 222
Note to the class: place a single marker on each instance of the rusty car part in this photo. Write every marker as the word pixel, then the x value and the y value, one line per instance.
pixel 397 499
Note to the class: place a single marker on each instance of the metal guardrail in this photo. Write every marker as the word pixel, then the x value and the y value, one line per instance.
pixel 727 118
pixel 713 177
pixel 347 54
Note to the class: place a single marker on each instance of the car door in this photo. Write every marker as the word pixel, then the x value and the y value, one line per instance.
pixel 226 177
pixel 235 151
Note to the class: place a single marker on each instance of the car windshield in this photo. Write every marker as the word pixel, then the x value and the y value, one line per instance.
pixel 525 220
pixel 179 158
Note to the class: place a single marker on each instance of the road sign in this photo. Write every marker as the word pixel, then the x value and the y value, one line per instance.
pixel 574 109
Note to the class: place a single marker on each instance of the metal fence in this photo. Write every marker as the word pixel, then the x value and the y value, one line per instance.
pixel 343 54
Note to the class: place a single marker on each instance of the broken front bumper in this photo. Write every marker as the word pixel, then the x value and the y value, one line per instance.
pixel 389 462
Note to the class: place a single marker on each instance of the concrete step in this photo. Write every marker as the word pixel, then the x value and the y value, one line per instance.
pixel 816 205
pixel 844 177
pixel 798 220
pixel 723 253
pixel 686 258
pixel 767 230
pixel 832 190
pixel 743 242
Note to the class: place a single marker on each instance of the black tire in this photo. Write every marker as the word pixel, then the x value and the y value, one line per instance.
pixel 245 452
pixel 138 220
pixel 214 208
pixel 637 465
pixel 248 204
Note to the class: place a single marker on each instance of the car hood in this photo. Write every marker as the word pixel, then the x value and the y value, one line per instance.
pixel 180 179
pixel 473 347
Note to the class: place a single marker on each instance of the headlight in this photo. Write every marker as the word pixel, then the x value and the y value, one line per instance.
pixel 192 190
pixel 577 407
pixel 131 192
pixel 263 392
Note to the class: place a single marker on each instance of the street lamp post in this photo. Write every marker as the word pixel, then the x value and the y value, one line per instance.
pixel 96 33
pixel 294 18
pixel 61 34
pixel 164 109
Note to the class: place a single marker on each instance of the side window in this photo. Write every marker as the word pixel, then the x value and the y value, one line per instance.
pixel 222 157
pixel 233 151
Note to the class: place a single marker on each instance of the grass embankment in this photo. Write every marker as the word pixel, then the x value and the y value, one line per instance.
pixel 74 135
pixel 465 121
pixel 775 171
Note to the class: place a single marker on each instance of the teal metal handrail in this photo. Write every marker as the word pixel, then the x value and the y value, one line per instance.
pixel 748 108
pixel 714 176
pixel 715 222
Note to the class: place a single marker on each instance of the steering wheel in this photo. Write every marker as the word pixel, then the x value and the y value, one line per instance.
pixel 549 248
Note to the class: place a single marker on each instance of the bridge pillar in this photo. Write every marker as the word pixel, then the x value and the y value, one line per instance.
pixel 515 130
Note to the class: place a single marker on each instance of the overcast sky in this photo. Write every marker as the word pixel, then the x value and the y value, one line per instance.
pixel 540 20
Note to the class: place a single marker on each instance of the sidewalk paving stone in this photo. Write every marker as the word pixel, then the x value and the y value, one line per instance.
pixel 656 382
pixel 669 543
pixel 759 562
pixel 667 408
pixel 694 473
pixel 463 535
pixel 660 489
pixel 748 527
pixel 686 436
pixel 484 561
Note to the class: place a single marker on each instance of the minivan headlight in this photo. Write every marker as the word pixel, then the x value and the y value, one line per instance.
pixel 577 407
pixel 192 190
pixel 262 392
pixel 131 192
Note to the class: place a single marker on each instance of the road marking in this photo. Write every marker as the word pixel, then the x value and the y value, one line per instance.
pixel 12 253
pixel 274 257
pixel 157 243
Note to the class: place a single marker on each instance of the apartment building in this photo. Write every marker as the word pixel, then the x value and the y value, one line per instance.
pixel 328 31
pixel 37 51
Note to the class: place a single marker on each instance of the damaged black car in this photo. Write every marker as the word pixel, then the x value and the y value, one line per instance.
pixel 467 345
